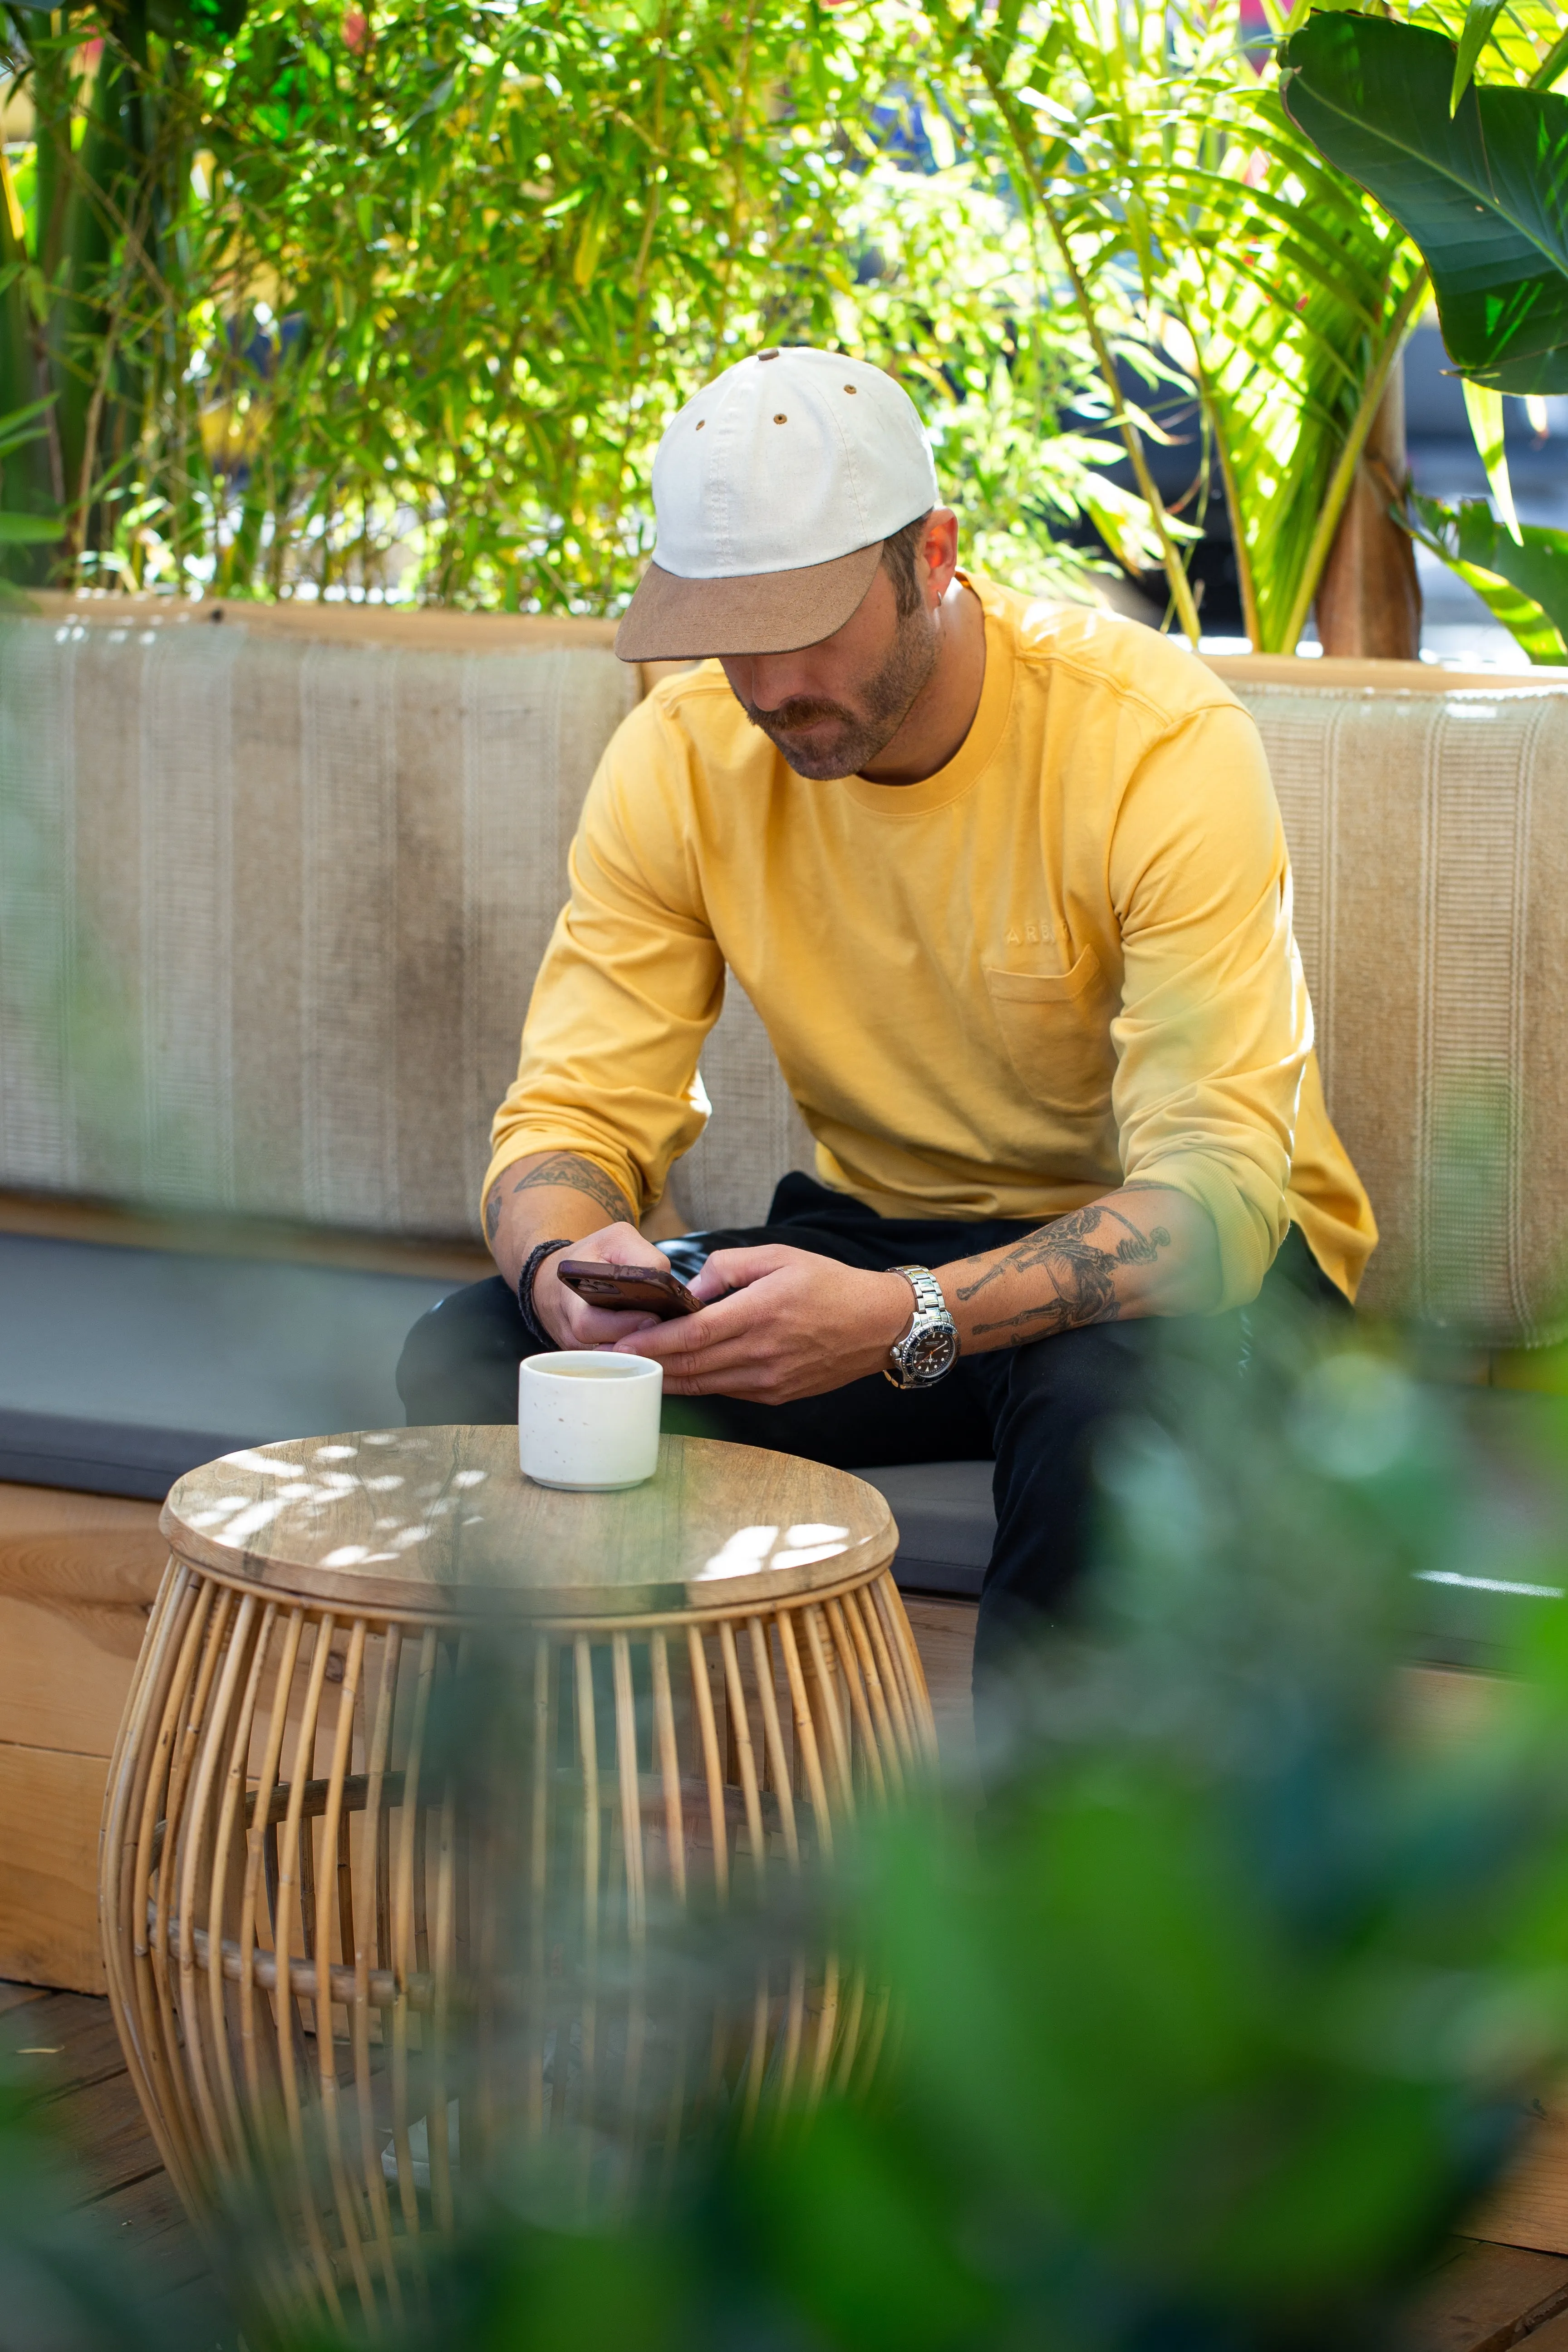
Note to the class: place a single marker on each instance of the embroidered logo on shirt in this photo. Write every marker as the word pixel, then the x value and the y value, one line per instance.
pixel 1031 932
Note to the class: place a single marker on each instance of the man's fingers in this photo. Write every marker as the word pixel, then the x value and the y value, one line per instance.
pixel 618 1245
pixel 599 1326
pixel 686 1336
pixel 717 1357
pixel 734 1269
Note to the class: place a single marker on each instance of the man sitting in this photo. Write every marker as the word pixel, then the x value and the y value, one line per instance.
pixel 1007 885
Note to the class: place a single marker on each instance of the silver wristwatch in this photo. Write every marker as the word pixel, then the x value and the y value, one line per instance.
pixel 930 1347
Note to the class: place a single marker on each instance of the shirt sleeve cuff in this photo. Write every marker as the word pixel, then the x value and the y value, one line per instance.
pixel 523 1146
pixel 1249 1221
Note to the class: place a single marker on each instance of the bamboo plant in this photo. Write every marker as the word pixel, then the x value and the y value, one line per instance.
pixel 84 295
pixel 400 304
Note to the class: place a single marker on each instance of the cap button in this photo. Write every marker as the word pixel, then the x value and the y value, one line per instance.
pixel 768 356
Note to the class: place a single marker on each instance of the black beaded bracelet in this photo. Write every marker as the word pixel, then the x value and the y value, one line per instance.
pixel 531 1263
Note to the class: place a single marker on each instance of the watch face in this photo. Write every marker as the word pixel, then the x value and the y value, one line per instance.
pixel 927 1354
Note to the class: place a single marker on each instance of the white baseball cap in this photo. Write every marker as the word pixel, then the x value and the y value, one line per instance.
pixel 773 493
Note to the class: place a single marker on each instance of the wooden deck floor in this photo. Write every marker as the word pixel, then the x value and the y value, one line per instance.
pixel 66 2043
pixel 1481 2298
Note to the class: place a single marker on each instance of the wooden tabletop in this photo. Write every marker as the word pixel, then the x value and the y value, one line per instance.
pixel 432 1523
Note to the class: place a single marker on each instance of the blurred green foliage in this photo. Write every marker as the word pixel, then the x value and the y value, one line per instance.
pixel 1521 577
pixel 1230 2002
pixel 1457 127
pixel 403 300
pixel 1212 2018
pixel 1153 163
pixel 399 300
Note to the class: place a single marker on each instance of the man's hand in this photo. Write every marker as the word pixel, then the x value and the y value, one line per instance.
pixel 570 1320
pixel 776 1324
pixel 552 1193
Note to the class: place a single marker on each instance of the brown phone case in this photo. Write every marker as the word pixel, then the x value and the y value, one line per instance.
pixel 627 1290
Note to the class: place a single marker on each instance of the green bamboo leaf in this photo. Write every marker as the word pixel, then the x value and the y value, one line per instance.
pixel 1483 193
pixel 24 425
pixel 1524 583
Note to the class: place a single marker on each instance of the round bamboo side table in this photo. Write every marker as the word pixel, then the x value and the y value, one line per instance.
pixel 413 1751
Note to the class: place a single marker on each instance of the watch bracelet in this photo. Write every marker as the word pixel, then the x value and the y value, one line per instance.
pixel 920 1278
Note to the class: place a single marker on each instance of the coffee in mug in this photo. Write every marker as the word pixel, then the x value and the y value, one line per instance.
pixel 588 1420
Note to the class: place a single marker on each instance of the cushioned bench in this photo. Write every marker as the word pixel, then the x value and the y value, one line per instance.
pixel 277 895
pixel 273 888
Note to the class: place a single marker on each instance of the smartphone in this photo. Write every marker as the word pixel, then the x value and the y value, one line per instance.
pixel 627 1290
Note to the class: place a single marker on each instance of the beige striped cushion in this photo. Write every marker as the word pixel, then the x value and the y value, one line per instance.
pixel 1429 838
pixel 269 912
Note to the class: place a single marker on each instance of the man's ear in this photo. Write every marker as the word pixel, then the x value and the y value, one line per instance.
pixel 938 552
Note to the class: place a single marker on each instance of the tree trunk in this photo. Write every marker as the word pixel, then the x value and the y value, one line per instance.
pixel 1369 600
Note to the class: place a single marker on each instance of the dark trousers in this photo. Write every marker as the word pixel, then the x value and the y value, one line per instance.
pixel 1038 1409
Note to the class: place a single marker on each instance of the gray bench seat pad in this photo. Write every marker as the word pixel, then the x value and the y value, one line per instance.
pixel 947 1524
pixel 121 1369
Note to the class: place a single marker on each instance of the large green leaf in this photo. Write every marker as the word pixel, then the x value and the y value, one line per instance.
pixel 1524 583
pixel 1483 192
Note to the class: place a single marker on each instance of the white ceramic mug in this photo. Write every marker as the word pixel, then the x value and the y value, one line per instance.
pixel 588 1420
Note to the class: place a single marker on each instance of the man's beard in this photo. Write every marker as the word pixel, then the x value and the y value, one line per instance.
pixel 860 734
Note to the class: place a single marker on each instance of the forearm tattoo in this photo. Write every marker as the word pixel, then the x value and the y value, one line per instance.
pixel 1081 1271
pixel 566 1172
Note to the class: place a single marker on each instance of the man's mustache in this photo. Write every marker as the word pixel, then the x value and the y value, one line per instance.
pixel 799 712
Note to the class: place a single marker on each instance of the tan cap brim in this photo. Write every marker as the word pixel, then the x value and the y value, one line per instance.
pixel 671 619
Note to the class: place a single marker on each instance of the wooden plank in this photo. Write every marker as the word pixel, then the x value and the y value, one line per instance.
pixel 1551 2337
pixel 1485 2297
pixel 944 1636
pixel 59 1687
pixel 1530 2206
pixel 61 2042
pixel 94 1561
pixel 51 1803
pixel 149 2219
pixel 1443 1706
pixel 63 2048
pixel 103 2126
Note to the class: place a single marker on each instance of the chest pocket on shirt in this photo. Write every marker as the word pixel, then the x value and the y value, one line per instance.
pixel 1056 1030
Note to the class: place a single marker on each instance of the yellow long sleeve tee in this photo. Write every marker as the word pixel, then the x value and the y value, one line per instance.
pixel 1063 961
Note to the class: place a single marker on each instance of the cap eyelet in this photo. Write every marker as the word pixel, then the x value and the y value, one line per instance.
pixel 700 423
pixel 781 419
pixel 769 355
pixel 851 389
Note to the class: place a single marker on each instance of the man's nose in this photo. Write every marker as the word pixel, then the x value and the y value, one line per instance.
pixel 777 679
